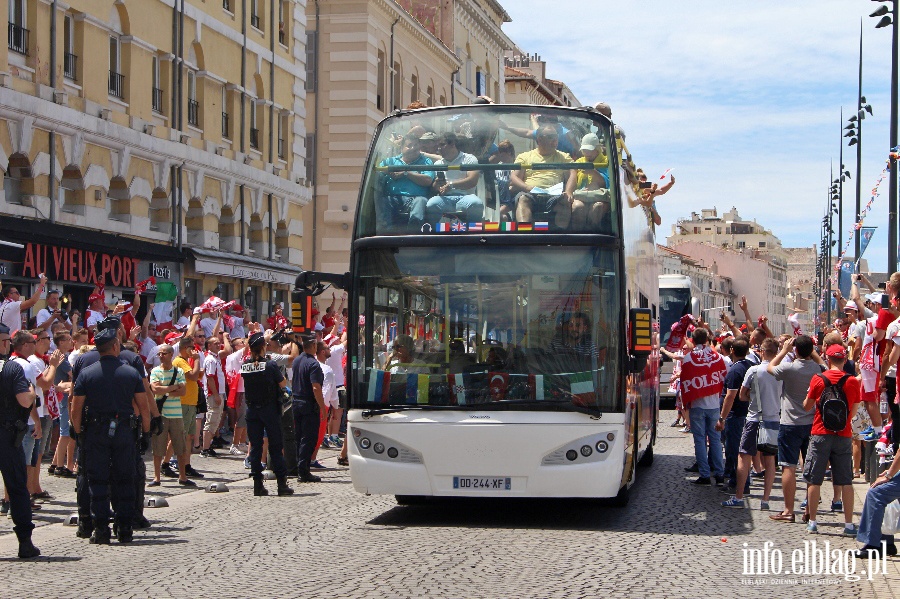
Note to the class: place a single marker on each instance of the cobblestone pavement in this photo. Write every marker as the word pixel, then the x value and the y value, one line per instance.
pixel 673 540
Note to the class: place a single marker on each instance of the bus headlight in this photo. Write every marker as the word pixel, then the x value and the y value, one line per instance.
pixel 571 455
pixel 602 446
pixel 586 450
pixel 378 448
pixel 365 443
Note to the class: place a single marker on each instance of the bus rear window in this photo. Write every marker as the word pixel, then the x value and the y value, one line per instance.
pixel 489 169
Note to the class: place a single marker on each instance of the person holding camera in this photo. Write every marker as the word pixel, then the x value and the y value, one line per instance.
pixel 52 312
pixel 262 386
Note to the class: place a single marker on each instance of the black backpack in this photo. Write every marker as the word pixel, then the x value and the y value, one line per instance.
pixel 833 405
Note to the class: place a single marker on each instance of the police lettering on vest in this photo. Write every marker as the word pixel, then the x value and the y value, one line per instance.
pixel 261 380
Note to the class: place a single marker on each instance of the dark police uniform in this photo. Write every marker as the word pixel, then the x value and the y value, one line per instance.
pixel 307 371
pixel 108 433
pixel 83 496
pixel 13 426
pixel 261 381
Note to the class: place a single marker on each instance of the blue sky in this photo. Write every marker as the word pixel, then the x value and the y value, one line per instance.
pixel 742 99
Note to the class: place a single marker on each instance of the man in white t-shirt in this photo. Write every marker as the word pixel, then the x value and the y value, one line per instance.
pixel 208 323
pixel 458 192
pixel 214 376
pixel 233 373
pixel 13 305
pixel 96 308
pixel 337 348
pixel 237 323
pixel 52 312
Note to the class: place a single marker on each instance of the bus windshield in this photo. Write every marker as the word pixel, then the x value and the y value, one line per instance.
pixel 489 169
pixel 500 327
pixel 673 304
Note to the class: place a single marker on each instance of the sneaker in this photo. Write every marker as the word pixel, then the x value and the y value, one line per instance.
pixel 803 504
pixel 235 451
pixel 720 481
pixel 702 481
pixel 189 470
pixel 812 529
pixel 675 423
pixel 850 530
pixel 187 483
pixel 837 506
pixel 317 466
pixel 694 468
pixel 173 463
pixel 867 431
pixel 51 469
pixel 167 471
pixel 733 502
pixel 247 463
pixel 755 474
pixel 336 441
pixel 728 489
pixel 764 506
pixel 873 436
pixel 684 430
pixel 64 472
pixel 326 443
pixel 4 506
pixel 209 453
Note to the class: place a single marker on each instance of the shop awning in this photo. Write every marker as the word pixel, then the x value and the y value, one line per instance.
pixel 226 264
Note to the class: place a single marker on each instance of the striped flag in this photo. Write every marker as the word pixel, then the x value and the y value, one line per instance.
pixel 491 226
pixel 474 226
pixel 524 226
pixel 536 386
pixel 542 226
pixel 582 386
pixel 379 386
pixel 443 227
pixel 507 226
pixel 459 388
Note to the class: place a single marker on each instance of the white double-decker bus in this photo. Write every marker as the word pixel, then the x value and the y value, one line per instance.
pixel 505 346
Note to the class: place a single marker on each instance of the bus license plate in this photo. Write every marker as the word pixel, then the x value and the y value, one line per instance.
pixel 482 483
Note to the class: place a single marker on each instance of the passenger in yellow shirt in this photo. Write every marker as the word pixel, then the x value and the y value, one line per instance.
pixel 188 356
pixel 594 179
pixel 533 186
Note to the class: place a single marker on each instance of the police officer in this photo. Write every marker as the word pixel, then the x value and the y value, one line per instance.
pixel 262 382
pixel 113 394
pixel 85 526
pixel 16 399
pixel 309 407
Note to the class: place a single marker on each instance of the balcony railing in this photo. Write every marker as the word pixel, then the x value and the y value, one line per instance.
pixel 157 99
pixel 254 20
pixel 116 84
pixel 193 112
pixel 225 132
pixel 281 147
pixel 18 39
pixel 254 138
pixel 70 66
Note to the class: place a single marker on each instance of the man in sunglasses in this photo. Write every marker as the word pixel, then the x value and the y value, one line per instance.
pixel 13 305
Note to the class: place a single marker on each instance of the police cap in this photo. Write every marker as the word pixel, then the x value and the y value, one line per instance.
pixel 111 322
pixel 256 339
pixel 103 337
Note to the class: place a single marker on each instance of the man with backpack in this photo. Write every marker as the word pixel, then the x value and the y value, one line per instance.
pixel 834 394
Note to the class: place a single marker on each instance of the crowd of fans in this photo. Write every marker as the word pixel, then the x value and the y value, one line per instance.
pixel 191 362
pixel 755 403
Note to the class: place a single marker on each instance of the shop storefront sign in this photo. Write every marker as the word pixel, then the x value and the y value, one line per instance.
pixel 79 266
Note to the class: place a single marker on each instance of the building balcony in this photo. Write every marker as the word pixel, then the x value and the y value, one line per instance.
pixel 193 112
pixel 116 84
pixel 157 100
pixel 18 39
pixel 70 66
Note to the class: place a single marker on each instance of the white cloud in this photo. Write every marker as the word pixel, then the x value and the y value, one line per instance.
pixel 743 99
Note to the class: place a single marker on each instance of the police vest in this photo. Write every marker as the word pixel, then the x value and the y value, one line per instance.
pixel 10 410
pixel 259 388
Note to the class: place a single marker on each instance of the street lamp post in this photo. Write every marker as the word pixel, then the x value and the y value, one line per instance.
pixel 891 19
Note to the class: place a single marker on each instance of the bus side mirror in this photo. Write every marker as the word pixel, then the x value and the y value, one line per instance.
pixel 640 325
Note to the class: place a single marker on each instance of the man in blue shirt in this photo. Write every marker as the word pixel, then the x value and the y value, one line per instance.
pixel 403 190
pixel 308 406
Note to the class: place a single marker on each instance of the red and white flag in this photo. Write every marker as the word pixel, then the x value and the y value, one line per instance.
pixel 702 374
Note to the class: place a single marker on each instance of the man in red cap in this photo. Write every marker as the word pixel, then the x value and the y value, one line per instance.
pixel 834 394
